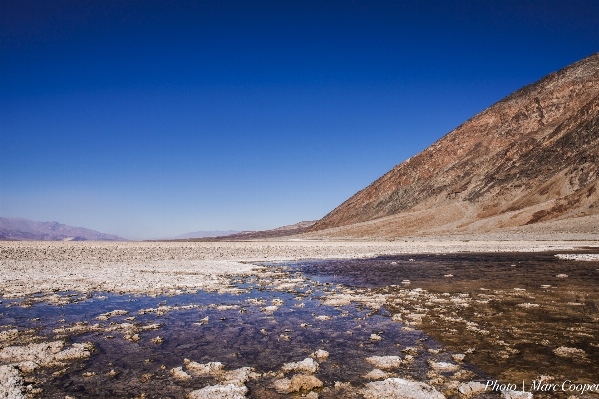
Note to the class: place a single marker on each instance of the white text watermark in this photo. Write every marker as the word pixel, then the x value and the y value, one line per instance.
pixel 543 386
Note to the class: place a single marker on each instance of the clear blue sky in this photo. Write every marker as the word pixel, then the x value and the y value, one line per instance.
pixel 155 118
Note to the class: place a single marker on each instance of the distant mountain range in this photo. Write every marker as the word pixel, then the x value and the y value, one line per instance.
pixel 531 158
pixel 285 231
pixel 204 234
pixel 23 229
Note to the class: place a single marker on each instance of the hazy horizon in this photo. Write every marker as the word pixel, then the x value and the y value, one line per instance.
pixel 155 119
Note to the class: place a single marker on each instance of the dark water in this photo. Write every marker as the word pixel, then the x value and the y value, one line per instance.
pixel 233 337
pixel 248 336
pixel 530 304
pixel 470 271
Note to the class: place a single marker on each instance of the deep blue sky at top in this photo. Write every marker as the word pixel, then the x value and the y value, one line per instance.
pixel 155 118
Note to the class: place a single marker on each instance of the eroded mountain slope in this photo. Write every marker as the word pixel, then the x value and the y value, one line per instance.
pixel 530 158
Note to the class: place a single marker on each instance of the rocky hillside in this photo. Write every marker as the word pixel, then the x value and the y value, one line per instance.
pixel 279 232
pixel 206 234
pixel 23 229
pixel 531 158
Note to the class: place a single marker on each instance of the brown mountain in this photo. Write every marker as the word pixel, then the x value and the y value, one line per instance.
pixel 531 158
pixel 23 229
pixel 279 232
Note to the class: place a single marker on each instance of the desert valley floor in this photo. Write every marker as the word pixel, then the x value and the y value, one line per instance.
pixel 418 318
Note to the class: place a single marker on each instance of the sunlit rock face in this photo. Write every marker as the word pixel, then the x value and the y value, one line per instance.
pixel 531 158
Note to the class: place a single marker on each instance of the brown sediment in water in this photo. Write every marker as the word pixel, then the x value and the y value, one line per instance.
pixel 515 316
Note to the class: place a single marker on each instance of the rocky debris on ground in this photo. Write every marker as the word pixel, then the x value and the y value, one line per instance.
pixel 9 335
pixel 347 296
pixel 207 369
pixel 131 337
pixel 564 351
pixel 108 315
pixel 11 383
pixel 509 394
pixel 269 309
pixel 157 340
pixel 161 310
pixel 377 374
pixel 307 365
pixel 239 376
pixel 471 388
pixel 398 388
pixel 385 362
pixel 14 336
pixel 231 383
pixel 129 330
pixel 226 307
pixel 586 257
pixel 297 383
pixel 219 391
pixel 443 366
pixel 179 374
pixel 320 354
pixel 375 337
pixel 46 354
pixel 180 267
pixel 458 357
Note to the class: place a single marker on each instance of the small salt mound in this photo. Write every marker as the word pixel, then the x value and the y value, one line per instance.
pixel 320 354
pixel 564 351
pixel 297 383
pixel 307 365
pixel 179 374
pixel 443 366
pixel 377 374
pixel 398 388
pixel 384 362
pixel 219 392
pixel 210 368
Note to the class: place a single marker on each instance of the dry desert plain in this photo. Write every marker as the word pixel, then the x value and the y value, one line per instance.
pixel 277 319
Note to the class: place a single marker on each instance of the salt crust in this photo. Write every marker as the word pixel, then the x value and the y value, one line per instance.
pixel 219 391
pixel 29 267
pixel 564 351
pixel 444 366
pixel 307 365
pixel 44 354
pixel 377 374
pixel 398 388
pixel 297 383
pixel 471 388
pixel 11 383
pixel 587 257
pixel 385 362
pixel 508 394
